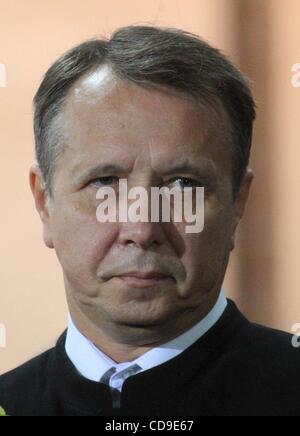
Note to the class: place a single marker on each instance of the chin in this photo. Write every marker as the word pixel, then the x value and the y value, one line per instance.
pixel 142 318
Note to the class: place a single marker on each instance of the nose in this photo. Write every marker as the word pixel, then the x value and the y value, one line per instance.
pixel 142 234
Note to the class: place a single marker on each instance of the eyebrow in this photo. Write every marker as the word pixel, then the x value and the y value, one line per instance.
pixel 202 170
pixel 103 169
pixel 198 170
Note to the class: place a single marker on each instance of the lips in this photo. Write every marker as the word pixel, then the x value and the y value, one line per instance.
pixel 145 276
pixel 139 279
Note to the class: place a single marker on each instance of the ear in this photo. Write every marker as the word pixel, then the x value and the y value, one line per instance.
pixel 38 189
pixel 240 202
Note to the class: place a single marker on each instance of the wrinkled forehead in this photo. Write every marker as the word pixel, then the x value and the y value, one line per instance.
pixel 105 114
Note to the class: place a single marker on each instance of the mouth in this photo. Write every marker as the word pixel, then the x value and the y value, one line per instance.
pixel 139 280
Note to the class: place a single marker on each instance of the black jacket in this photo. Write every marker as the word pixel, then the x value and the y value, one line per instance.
pixel 236 369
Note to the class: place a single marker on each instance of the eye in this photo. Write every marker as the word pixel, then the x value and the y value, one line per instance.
pixel 187 183
pixel 104 181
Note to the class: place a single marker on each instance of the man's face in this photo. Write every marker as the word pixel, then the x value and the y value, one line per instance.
pixel 145 132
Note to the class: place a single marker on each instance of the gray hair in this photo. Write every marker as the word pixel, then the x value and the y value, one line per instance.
pixel 147 56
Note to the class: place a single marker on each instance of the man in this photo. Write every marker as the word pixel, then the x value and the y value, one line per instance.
pixel 150 330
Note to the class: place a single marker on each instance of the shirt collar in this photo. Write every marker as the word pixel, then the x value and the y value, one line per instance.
pixel 92 363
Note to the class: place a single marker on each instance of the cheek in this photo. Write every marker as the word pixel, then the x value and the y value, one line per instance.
pixel 206 253
pixel 80 241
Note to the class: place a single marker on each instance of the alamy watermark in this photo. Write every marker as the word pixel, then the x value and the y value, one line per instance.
pixel 296 75
pixel 2 336
pixel 296 338
pixel 177 205
pixel 2 76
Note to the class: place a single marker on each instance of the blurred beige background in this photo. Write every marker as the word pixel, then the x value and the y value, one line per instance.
pixel 262 36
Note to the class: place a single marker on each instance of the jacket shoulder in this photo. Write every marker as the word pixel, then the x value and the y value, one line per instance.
pixel 268 339
pixel 269 356
pixel 22 384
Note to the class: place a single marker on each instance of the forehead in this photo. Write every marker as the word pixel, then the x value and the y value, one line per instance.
pixel 106 115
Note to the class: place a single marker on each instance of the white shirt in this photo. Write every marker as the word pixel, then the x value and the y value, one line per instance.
pixel 92 363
